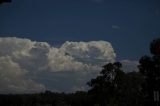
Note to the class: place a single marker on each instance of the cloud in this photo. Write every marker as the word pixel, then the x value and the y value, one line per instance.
pixel 13 80
pixel 130 65
pixel 90 52
pixel 115 27
pixel 59 61
pixel 31 66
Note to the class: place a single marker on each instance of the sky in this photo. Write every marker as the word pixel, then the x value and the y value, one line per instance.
pixel 48 44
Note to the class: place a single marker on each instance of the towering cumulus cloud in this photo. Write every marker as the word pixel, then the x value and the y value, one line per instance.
pixel 30 66
pixel 90 52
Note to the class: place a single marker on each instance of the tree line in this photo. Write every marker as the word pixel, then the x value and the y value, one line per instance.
pixel 112 87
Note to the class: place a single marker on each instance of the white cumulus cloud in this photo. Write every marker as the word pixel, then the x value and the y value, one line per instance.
pixel 90 52
pixel 29 66
pixel 13 80
pixel 59 61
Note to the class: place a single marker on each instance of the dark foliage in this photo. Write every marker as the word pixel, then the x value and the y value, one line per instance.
pixel 150 69
pixel 45 99
pixel 116 88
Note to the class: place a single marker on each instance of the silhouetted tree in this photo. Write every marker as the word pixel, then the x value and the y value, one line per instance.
pixel 150 68
pixel 114 87
pixel 103 86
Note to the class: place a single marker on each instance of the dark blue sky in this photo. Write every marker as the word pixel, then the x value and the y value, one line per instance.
pixel 129 25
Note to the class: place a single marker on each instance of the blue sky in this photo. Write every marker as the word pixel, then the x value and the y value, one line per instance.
pixel 129 25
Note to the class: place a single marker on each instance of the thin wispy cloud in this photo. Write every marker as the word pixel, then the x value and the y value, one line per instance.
pixel 130 65
pixel 115 27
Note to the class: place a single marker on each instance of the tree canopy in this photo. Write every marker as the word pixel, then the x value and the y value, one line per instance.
pixel 150 69
pixel 115 87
